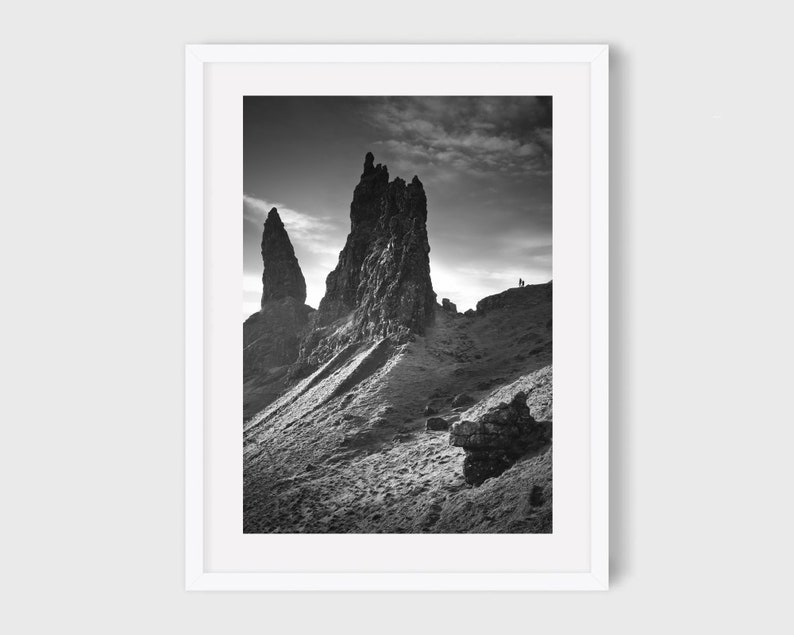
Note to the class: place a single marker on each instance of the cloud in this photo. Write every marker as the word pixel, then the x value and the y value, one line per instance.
pixel 309 231
pixel 480 282
pixel 317 241
pixel 473 135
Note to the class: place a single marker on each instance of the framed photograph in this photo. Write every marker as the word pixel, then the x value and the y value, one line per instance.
pixel 396 317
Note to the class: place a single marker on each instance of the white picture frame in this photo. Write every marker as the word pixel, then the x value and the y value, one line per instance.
pixel 199 575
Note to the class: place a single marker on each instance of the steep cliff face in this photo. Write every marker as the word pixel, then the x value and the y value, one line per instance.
pixel 341 285
pixel 272 336
pixel 382 280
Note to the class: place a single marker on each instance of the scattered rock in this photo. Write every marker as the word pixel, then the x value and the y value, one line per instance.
pixel 437 423
pixel 448 306
pixel 463 399
pixel 497 439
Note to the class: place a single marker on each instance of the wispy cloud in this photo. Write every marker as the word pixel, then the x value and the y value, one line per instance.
pixel 310 231
pixel 317 241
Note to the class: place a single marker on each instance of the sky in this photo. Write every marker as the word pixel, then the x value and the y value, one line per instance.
pixel 485 163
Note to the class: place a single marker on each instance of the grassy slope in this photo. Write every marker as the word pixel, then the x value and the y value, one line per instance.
pixel 345 450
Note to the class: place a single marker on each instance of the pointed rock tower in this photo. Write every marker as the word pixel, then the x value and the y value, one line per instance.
pixel 383 272
pixel 282 276
pixel 271 337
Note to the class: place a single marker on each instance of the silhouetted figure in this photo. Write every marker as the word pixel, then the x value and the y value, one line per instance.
pixel 520 282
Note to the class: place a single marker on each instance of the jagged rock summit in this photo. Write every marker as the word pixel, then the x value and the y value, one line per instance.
pixel 383 273
pixel 282 276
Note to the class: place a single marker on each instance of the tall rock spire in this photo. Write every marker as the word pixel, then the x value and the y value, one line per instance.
pixel 272 336
pixel 282 276
pixel 383 272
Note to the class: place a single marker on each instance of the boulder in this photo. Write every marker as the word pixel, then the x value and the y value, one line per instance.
pixel 437 423
pixel 500 436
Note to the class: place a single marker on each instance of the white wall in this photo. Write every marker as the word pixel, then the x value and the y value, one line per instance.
pixel 91 133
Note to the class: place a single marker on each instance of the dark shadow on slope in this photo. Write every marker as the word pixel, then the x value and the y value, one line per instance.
pixel 368 366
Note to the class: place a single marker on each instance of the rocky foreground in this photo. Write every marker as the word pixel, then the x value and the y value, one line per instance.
pixel 384 411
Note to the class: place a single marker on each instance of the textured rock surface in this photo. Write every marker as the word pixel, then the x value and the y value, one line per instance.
pixel 383 273
pixel 437 423
pixel 272 336
pixel 497 438
pixel 282 276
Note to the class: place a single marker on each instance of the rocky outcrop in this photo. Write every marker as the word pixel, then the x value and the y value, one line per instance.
pixel 272 336
pixel 282 276
pixel 449 306
pixel 516 298
pixel 497 438
pixel 383 273
pixel 436 423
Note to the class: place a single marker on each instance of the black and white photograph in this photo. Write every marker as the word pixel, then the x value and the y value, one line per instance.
pixel 397 314
pixel 406 319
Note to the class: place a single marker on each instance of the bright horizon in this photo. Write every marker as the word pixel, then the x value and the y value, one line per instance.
pixel 485 163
